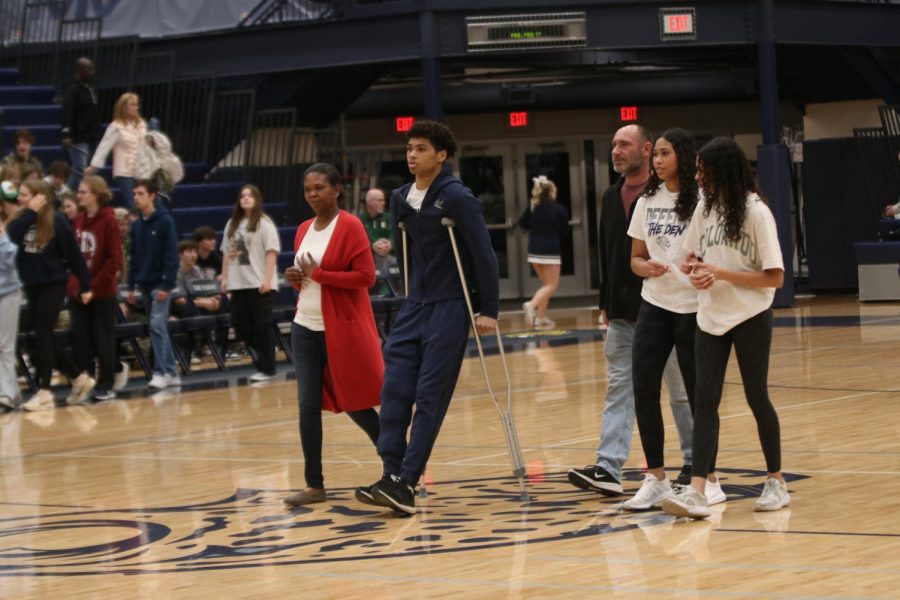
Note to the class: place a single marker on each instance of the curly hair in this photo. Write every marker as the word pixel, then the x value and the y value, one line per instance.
pixel 726 180
pixel 688 189
pixel 438 134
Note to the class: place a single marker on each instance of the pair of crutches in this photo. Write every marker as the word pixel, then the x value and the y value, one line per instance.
pixel 506 418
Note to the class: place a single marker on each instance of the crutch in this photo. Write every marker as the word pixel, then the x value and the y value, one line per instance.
pixel 402 227
pixel 509 426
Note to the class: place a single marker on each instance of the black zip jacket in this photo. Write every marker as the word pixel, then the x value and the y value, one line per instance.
pixel 620 288
pixel 80 115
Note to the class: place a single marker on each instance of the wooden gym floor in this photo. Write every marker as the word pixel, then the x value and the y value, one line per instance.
pixel 180 495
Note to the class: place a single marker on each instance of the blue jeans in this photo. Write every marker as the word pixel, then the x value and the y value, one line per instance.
pixel 79 155
pixel 126 191
pixel 617 427
pixel 160 340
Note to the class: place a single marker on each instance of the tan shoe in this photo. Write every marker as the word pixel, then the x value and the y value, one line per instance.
pixel 81 389
pixel 303 497
pixel 42 400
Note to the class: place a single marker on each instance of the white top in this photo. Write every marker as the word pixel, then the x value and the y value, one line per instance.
pixel 309 305
pixel 124 141
pixel 656 223
pixel 247 251
pixel 725 305
pixel 415 197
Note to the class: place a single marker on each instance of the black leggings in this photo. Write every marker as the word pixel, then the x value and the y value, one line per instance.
pixel 251 316
pixel 752 341
pixel 94 337
pixel 44 303
pixel 657 330
pixel 310 358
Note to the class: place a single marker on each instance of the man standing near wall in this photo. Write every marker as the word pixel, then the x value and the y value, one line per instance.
pixel 80 120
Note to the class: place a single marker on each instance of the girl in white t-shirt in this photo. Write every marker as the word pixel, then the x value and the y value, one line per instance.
pixel 250 248
pixel 668 312
pixel 735 261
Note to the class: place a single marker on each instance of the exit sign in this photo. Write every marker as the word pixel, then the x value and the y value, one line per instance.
pixel 404 124
pixel 518 119
pixel 677 24
pixel 628 113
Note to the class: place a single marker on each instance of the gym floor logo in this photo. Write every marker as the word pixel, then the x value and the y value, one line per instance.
pixel 252 528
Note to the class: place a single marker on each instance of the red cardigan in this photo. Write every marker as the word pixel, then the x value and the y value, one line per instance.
pixel 355 368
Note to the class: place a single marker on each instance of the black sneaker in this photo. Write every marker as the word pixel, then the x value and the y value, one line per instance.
pixel 395 493
pixel 595 479
pixel 104 395
pixel 684 478
pixel 366 495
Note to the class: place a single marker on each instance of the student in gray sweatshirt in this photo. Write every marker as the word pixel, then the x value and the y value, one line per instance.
pixel 10 301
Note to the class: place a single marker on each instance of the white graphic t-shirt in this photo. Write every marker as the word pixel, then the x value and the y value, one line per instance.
pixel 725 304
pixel 415 197
pixel 656 223
pixel 309 304
pixel 247 250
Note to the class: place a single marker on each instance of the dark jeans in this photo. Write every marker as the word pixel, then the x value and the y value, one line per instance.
pixel 44 303
pixel 310 359
pixel 752 341
pixel 657 330
pixel 251 316
pixel 94 337
pixel 126 191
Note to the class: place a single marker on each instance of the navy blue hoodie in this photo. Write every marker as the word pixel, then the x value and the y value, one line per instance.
pixel 154 252
pixel 433 275
pixel 38 265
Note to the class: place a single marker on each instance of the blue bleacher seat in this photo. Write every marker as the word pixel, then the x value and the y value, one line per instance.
pixel 9 76
pixel 195 195
pixel 26 94
pixel 877 253
pixel 44 135
pixel 24 116
pixel 187 219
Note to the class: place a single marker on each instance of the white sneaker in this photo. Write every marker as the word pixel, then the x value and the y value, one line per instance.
pixel 173 380
pixel 650 494
pixel 120 380
pixel 686 503
pixel 195 360
pixel 81 389
pixel 530 314
pixel 714 493
pixel 544 323
pixel 7 402
pixel 260 376
pixel 42 400
pixel 158 382
pixel 774 496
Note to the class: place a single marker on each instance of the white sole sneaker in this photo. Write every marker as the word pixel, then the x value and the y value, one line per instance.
pixel 714 493
pixel 120 379
pixel 42 400
pixel 677 506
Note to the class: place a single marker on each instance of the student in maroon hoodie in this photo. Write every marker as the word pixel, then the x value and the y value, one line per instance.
pixel 93 324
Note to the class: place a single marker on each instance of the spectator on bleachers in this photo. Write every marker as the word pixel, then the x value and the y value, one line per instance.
pixel 93 323
pixel 47 254
pixel 57 174
pixel 81 131
pixel 70 209
pixel 10 179
pixel 250 248
pixel 337 352
pixel 32 173
pixel 378 230
pixel 10 302
pixel 152 271
pixel 22 154
pixel 209 258
pixel 124 137
pixel 189 271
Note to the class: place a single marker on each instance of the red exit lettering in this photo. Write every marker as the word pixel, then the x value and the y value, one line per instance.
pixel 404 124
pixel 518 119
pixel 628 113
pixel 679 24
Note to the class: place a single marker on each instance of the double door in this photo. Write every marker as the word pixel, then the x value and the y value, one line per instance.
pixel 501 176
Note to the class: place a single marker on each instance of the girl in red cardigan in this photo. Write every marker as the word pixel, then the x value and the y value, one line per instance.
pixel 337 352
pixel 93 324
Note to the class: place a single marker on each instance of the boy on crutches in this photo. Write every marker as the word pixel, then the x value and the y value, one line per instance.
pixel 427 343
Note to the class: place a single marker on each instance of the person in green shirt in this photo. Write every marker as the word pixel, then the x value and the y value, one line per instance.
pixel 378 228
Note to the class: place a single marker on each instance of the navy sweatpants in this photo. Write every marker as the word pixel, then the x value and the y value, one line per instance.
pixel 422 359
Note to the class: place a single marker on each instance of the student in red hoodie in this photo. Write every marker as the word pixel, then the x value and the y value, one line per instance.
pixel 93 324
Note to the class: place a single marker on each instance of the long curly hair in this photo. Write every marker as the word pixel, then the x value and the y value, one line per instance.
pixel 726 180
pixel 688 189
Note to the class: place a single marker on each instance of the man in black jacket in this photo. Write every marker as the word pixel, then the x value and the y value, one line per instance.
pixel 620 299
pixel 80 120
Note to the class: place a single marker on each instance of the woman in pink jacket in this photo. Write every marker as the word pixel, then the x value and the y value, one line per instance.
pixel 123 137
